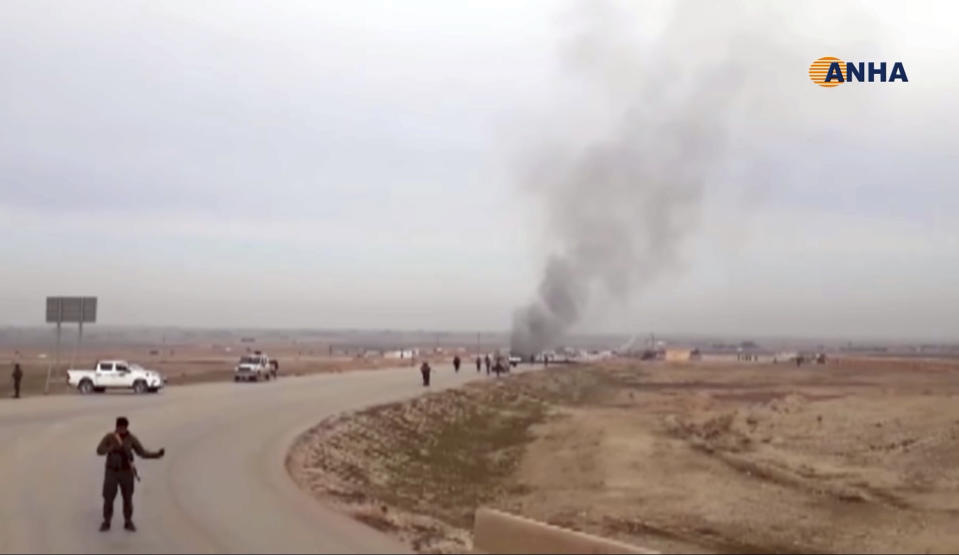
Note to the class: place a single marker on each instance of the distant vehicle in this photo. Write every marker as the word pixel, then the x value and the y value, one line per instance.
pixel 648 354
pixel 253 368
pixel 115 374
pixel 785 356
pixel 514 360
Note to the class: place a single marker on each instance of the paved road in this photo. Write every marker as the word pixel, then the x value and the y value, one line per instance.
pixel 222 488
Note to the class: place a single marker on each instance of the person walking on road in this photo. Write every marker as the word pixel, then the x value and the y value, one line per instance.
pixel 488 363
pixel 456 363
pixel 479 364
pixel 118 446
pixel 425 370
pixel 17 377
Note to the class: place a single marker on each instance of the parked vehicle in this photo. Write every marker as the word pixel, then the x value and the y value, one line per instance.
pixel 253 368
pixel 115 374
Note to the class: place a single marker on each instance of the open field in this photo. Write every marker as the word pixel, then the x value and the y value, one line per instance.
pixel 855 455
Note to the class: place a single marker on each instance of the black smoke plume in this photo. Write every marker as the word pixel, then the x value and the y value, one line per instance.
pixel 619 207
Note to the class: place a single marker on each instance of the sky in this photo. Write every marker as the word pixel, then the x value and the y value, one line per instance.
pixel 356 164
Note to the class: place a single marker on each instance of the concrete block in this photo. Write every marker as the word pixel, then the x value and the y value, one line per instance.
pixel 498 532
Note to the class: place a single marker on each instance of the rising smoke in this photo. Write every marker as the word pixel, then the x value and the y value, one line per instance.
pixel 619 207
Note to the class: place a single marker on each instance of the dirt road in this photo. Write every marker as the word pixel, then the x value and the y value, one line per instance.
pixel 221 488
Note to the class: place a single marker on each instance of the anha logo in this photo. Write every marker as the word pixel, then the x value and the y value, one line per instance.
pixel 832 72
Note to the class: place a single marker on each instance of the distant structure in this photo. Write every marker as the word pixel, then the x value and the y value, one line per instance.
pixel 683 355
pixel 786 356
pixel 402 354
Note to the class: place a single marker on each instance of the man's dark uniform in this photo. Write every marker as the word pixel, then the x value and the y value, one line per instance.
pixel 425 370
pixel 17 376
pixel 478 364
pixel 120 471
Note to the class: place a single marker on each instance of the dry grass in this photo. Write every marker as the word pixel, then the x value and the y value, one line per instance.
pixel 849 456
pixel 438 456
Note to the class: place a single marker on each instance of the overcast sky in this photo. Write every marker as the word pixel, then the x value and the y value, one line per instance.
pixel 354 164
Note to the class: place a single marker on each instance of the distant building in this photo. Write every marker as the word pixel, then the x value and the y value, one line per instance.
pixel 682 355
pixel 401 354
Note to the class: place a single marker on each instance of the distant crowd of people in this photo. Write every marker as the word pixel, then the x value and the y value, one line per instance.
pixel 495 365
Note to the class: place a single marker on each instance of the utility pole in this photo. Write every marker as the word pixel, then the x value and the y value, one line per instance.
pixel 77 346
pixel 46 386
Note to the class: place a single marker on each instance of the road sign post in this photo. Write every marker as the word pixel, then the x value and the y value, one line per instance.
pixel 78 310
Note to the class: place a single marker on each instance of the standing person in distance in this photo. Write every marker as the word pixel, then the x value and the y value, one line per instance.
pixel 456 363
pixel 479 364
pixel 118 446
pixel 17 377
pixel 425 371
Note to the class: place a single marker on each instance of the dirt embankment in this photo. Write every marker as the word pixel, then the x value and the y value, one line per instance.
pixel 693 458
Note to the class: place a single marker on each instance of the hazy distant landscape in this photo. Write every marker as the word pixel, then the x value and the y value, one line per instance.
pixel 351 341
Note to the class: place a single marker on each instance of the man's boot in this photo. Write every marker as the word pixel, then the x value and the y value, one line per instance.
pixel 104 526
pixel 129 526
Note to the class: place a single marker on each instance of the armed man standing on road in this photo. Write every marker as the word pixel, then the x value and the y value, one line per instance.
pixel 488 364
pixel 479 363
pixel 425 370
pixel 456 363
pixel 17 376
pixel 119 446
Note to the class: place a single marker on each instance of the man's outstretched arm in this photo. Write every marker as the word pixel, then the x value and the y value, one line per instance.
pixel 143 453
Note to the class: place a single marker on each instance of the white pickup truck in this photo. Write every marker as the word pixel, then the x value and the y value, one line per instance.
pixel 115 374
pixel 254 367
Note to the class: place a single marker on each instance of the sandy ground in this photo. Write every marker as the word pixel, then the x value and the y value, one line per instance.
pixel 854 455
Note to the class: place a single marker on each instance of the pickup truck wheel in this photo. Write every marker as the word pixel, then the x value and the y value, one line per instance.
pixel 85 387
pixel 139 387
